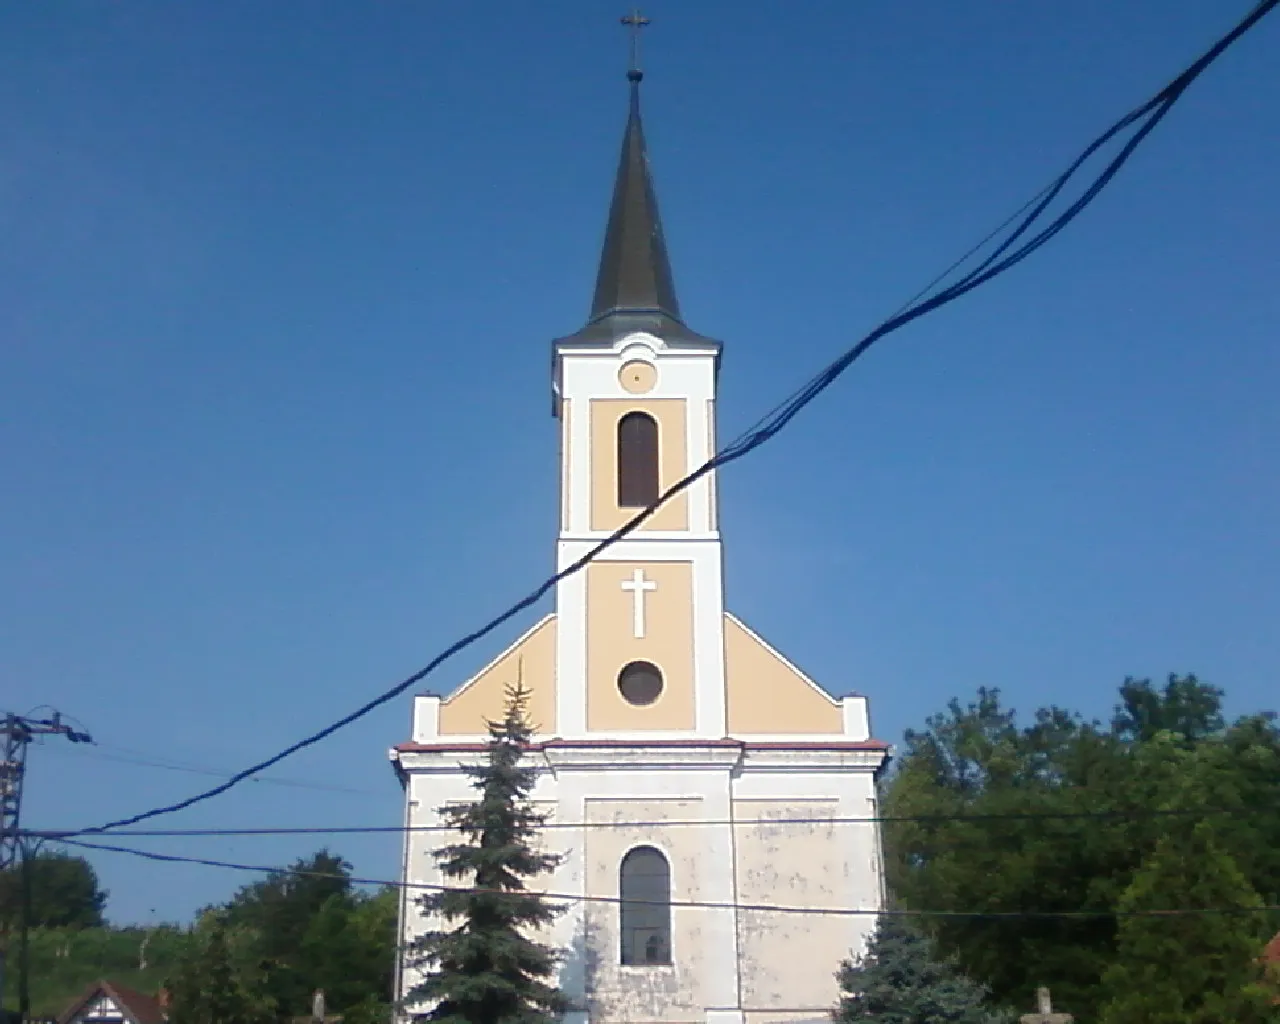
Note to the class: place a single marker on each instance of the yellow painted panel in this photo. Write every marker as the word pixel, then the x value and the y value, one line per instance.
pixel 673 461
pixel 766 695
pixel 531 660
pixel 612 644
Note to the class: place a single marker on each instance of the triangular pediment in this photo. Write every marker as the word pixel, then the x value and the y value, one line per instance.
pixel 766 694
pixel 530 661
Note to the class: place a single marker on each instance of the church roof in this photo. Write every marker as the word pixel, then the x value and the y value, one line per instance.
pixel 635 289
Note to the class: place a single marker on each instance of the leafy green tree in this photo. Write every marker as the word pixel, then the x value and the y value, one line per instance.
pixel 64 961
pixel 276 941
pixel 275 915
pixel 281 906
pixel 1186 707
pixel 64 893
pixel 900 980
pixel 210 987
pixel 303 927
pixel 969 774
pixel 1195 969
pixel 975 773
pixel 376 921
pixel 485 969
pixel 348 950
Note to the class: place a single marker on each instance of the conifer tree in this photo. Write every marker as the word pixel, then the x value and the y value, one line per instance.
pixel 483 966
pixel 900 981
pixel 1194 968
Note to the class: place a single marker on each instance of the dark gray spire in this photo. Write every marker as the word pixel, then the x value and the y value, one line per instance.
pixel 634 290
pixel 635 273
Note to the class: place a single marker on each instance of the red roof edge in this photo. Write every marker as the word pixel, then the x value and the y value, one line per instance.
pixel 687 744
pixel 144 1009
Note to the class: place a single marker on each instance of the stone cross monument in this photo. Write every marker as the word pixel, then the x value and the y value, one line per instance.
pixel 1045 1014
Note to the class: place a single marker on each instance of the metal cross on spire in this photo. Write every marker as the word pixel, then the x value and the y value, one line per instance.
pixel 635 21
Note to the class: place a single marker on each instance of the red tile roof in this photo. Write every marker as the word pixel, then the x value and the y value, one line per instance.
pixel 137 1008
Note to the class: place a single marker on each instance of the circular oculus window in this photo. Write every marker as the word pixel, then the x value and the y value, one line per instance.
pixel 640 683
pixel 638 377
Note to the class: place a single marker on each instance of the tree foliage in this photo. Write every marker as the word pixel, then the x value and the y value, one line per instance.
pixel 1093 786
pixel 64 961
pixel 257 957
pixel 1203 969
pixel 213 986
pixel 483 966
pixel 900 980
pixel 277 941
pixel 64 893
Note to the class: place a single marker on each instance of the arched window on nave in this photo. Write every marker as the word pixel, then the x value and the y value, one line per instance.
pixel 645 888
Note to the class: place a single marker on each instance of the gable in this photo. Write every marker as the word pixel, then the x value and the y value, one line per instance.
pixel 766 694
pixel 101 1008
pixel 107 1003
pixel 531 660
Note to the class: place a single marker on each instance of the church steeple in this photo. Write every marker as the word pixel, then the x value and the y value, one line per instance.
pixel 635 272
pixel 635 290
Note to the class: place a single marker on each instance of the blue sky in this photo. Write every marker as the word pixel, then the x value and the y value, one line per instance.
pixel 276 291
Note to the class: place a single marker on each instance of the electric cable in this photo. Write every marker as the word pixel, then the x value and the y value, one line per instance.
pixel 922 819
pixel 694 904
pixel 125 755
pixel 998 262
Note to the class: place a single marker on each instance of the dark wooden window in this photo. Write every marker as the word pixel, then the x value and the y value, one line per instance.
pixel 645 888
pixel 637 460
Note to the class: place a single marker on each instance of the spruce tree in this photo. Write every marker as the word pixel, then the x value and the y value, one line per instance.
pixel 901 981
pixel 485 969
pixel 1192 968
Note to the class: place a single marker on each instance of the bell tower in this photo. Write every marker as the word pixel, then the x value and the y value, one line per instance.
pixel 640 648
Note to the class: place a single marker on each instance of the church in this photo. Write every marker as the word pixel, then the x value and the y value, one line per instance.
pixel 693 777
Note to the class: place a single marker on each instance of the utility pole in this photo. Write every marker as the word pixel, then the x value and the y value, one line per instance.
pixel 16 733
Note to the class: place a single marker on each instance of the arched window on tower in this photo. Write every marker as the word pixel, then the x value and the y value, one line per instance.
pixel 645 888
pixel 637 460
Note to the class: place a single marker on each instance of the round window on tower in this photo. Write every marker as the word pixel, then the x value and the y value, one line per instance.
pixel 638 377
pixel 640 683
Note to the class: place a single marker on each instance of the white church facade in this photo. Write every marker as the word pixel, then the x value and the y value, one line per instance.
pixel 685 764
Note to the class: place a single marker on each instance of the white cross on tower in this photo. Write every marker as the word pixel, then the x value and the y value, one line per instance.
pixel 638 586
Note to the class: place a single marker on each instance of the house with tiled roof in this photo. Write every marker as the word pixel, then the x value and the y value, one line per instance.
pixel 1271 960
pixel 105 1002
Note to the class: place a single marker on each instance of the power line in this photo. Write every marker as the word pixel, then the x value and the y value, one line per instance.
pixel 922 819
pixel 127 756
pixel 695 904
pixel 1005 256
